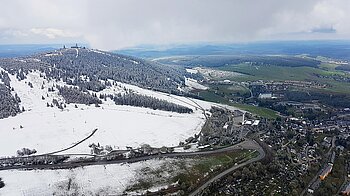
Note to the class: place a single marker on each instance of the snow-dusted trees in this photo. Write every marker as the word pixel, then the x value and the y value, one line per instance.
pixel 89 68
pixel 134 99
pixel 74 95
pixel 8 105
pixel 25 151
pixel 2 184
pixel 4 77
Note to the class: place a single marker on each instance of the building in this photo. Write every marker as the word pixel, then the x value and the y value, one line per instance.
pixel 310 191
pixel 265 95
pixel 76 46
pixel 248 122
pixel 256 122
pixel 326 171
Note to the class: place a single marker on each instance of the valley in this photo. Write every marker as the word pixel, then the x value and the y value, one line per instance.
pixel 77 113
pixel 85 121
pixel 174 98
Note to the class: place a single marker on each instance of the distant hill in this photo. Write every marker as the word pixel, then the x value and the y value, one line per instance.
pixel 25 49
pixel 71 64
pixel 337 49
pixel 89 70
pixel 53 99
pixel 223 60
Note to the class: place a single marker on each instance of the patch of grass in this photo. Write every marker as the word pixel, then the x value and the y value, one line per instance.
pixel 328 66
pixel 229 89
pixel 272 72
pixel 205 167
pixel 209 95
pixel 142 184
pixel 260 111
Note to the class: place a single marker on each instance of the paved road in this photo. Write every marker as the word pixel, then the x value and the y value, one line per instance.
pixel 248 145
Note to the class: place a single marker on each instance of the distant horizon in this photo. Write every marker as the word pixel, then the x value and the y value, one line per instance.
pixel 185 43
pixel 335 48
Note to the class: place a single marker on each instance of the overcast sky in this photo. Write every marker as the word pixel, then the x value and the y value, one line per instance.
pixel 115 24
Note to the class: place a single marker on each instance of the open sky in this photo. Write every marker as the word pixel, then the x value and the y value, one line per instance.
pixel 115 24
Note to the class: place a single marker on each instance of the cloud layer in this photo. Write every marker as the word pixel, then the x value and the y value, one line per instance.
pixel 112 24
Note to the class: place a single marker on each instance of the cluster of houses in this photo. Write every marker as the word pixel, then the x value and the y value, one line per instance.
pixel 224 127
pixel 108 153
pixel 284 85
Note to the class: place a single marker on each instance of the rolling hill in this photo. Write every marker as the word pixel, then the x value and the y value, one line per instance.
pixel 54 99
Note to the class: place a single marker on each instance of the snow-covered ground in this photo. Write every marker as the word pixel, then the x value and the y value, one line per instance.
pixel 91 180
pixel 49 129
pixel 217 74
pixel 192 83
pixel 99 52
pixel 192 71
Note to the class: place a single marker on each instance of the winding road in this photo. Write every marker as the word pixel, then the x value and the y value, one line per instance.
pixel 249 144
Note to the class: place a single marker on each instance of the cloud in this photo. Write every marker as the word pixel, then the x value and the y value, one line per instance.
pixel 112 24
pixel 324 30
pixel 53 33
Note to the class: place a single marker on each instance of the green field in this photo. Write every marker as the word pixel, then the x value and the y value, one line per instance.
pixel 204 167
pixel 328 66
pixel 229 89
pixel 223 93
pixel 280 73
pixel 260 111
pixel 272 72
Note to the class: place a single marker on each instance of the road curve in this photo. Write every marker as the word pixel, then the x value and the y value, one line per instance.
pixel 248 145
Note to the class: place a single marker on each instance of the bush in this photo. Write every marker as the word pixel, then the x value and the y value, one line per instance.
pixel 2 184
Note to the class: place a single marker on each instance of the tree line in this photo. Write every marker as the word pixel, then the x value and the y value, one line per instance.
pixel 74 95
pixel 9 104
pixel 134 99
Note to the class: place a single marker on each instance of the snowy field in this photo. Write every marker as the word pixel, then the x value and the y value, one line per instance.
pixel 49 129
pixel 217 74
pixel 193 84
pixel 92 180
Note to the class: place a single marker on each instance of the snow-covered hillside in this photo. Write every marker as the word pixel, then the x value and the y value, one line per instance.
pixel 92 180
pixel 48 129
pixel 43 116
